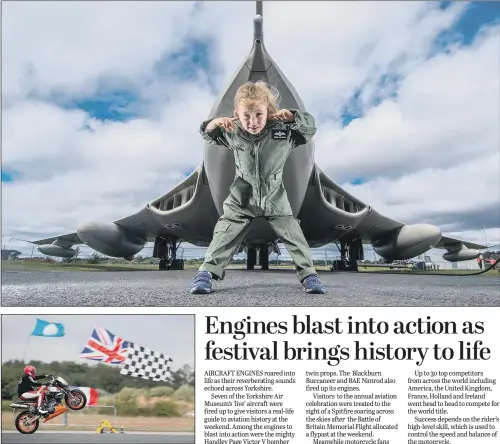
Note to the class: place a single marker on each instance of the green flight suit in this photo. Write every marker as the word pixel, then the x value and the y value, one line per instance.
pixel 258 190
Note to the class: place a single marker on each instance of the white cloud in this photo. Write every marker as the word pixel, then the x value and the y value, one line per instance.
pixel 428 152
pixel 445 114
pixel 430 193
pixel 326 49
pixel 51 46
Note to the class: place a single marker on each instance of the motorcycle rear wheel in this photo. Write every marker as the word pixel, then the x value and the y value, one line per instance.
pixel 19 423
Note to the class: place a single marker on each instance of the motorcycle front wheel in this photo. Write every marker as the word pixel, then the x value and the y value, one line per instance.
pixel 26 424
pixel 76 399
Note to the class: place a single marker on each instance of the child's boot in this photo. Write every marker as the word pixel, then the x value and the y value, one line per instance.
pixel 202 283
pixel 313 285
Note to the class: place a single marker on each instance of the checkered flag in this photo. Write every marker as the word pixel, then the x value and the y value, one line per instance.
pixel 146 364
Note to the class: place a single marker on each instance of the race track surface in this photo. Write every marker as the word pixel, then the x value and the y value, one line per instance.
pixel 41 437
pixel 244 288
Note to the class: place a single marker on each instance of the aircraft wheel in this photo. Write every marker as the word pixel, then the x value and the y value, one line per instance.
pixel 162 265
pixel 264 258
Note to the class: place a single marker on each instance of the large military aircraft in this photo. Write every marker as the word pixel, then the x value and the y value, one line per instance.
pixel 327 213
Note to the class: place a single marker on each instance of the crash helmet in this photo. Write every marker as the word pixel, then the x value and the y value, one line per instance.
pixel 30 370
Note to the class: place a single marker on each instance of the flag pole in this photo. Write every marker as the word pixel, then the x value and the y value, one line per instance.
pixel 26 348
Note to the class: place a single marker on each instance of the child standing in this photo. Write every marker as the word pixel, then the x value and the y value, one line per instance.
pixel 261 138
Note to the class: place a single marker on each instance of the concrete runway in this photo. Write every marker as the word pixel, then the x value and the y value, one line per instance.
pixel 42 437
pixel 244 288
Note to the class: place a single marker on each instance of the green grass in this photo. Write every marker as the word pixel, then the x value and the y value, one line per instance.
pixel 426 272
pixel 61 266
pixel 58 266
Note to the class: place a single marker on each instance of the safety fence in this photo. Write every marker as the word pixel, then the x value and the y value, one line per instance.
pixel 68 419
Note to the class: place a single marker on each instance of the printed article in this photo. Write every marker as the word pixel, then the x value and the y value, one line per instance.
pixel 348 376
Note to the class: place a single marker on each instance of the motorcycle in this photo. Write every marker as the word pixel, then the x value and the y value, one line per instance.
pixel 57 389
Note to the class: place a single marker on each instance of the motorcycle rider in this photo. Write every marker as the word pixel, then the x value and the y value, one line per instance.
pixel 27 387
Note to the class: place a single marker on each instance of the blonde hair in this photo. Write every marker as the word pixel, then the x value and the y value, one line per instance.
pixel 258 92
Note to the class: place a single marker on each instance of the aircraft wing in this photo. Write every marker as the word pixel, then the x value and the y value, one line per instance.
pixel 65 240
pixel 449 242
pixel 186 213
pixel 142 224
pixel 330 214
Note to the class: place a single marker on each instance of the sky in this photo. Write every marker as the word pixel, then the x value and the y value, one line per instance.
pixel 102 103
pixel 172 335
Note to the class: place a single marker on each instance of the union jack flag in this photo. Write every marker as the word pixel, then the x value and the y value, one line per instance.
pixel 104 346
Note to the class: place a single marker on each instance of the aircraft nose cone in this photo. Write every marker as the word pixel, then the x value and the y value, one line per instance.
pixel 257 27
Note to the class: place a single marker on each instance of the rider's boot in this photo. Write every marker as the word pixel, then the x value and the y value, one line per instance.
pixel 41 410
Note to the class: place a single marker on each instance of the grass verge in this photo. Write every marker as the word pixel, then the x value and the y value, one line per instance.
pixel 47 266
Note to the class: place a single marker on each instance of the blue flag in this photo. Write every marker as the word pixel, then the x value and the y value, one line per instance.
pixel 48 329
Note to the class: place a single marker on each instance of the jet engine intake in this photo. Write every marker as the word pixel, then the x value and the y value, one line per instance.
pixel 407 242
pixel 56 250
pixel 462 254
pixel 110 239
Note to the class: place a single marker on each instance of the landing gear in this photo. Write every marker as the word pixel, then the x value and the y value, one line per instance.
pixel 251 258
pixel 264 257
pixel 350 253
pixel 356 253
pixel 163 264
pixel 166 251
pixel 177 264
